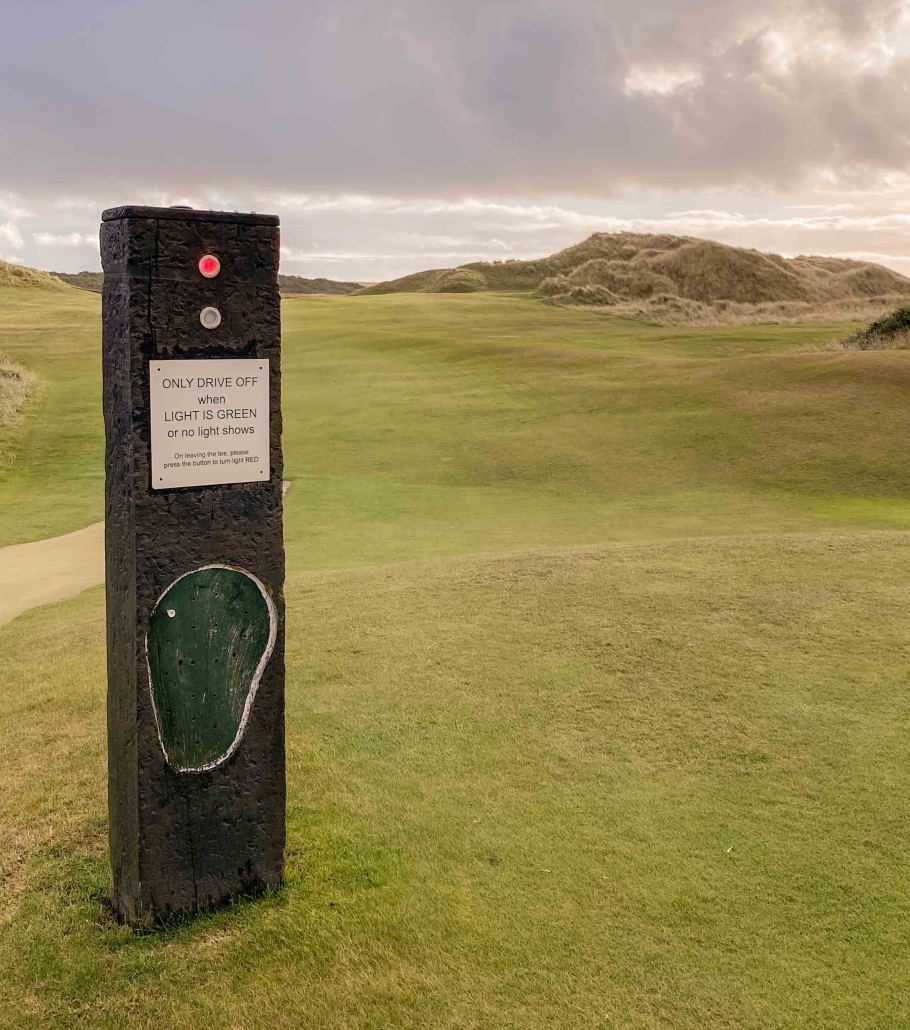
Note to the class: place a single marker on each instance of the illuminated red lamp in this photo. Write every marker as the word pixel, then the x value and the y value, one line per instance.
pixel 209 266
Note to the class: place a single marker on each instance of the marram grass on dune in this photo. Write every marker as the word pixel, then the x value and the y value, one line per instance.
pixel 680 280
pixel 17 384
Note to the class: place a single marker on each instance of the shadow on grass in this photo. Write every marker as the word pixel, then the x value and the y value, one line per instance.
pixel 178 924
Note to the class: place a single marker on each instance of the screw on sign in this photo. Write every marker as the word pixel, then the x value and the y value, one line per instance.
pixel 195 559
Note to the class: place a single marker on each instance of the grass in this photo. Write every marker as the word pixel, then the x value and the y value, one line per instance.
pixel 17 384
pixel 289 284
pixel 420 425
pixel 679 280
pixel 670 310
pixel 889 333
pixel 637 786
pixel 597 686
pixel 19 277
pixel 52 479
pixel 93 281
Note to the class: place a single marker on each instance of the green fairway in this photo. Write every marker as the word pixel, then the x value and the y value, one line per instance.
pixel 598 696
pixel 427 425
pixel 51 466
pixel 421 425
pixel 657 785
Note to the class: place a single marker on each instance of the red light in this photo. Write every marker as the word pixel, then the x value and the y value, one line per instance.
pixel 209 266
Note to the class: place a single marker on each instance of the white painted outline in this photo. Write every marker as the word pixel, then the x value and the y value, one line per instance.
pixel 257 675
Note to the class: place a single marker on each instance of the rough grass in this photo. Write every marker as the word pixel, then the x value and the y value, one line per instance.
pixel 681 280
pixel 896 341
pixel 18 277
pixel 92 281
pixel 290 285
pixel 17 384
pixel 667 310
pixel 892 332
pixel 443 280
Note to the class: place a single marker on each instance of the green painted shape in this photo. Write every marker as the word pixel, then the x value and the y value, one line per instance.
pixel 204 663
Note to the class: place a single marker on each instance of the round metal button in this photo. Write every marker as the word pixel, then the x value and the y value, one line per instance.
pixel 210 318
pixel 209 266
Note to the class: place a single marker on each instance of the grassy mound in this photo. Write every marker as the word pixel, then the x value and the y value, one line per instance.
pixel 419 282
pixel 682 280
pixel 707 271
pixel 290 285
pixel 91 281
pixel 19 277
pixel 436 280
pixel 296 285
pixel 461 280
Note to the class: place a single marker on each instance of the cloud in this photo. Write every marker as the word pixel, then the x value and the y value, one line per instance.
pixel 11 206
pixel 70 239
pixel 358 236
pixel 436 98
pixel 11 236
pixel 659 81
pixel 406 134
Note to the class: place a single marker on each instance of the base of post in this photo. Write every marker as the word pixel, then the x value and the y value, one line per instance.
pixel 126 913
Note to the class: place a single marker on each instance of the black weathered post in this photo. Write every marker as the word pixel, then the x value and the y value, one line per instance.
pixel 195 557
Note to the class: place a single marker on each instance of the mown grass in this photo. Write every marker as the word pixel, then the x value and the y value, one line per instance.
pixel 52 475
pixel 597 687
pixel 419 425
pixel 637 786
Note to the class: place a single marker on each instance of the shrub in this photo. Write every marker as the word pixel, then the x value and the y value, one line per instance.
pixel 889 333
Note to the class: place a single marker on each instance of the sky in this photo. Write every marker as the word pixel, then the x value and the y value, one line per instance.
pixel 396 136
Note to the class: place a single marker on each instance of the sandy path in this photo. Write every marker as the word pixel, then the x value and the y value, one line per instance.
pixel 50 570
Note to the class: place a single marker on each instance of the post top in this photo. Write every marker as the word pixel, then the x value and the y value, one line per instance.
pixel 186 214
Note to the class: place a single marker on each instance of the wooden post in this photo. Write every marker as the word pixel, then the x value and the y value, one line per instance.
pixel 194 557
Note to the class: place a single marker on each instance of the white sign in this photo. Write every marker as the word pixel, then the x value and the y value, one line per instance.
pixel 210 422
